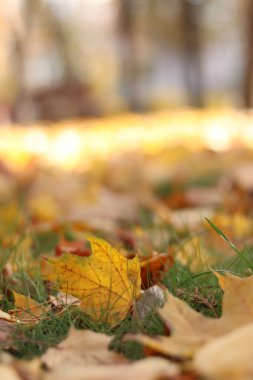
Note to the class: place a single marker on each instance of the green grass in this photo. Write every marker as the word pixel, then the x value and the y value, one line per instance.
pixel 167 188
pixel 199 289
pixel 32 341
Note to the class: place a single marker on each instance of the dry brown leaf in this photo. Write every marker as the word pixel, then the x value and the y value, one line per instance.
pixel 74 247
pixel 228 357
pixel 191 330
pixel 82 347
pixel 63 299
pixel 147 369
pixel 152 268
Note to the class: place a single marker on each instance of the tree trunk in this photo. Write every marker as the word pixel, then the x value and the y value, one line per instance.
pixel 248 84
pixel 192 53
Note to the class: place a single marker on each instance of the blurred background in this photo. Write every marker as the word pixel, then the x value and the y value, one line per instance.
pixel 75 58
pixel 131 119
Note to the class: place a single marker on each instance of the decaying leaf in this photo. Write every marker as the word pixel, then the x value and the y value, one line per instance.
pixel 146 369
pixel 228 357
pixel 106 282
pixel 82 347
pixel 191 330
pixel 153 267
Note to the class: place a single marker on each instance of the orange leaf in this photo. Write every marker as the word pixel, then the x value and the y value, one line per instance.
pixel 28 310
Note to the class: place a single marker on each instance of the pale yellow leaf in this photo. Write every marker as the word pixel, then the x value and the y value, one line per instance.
pixel 190 330
pixel 146 369
pixel 228 357
pixel 82 347
pixel 8 372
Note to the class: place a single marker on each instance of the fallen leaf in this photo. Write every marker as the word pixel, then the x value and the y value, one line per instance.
pixel 82 347
pixel 13 369
pixel 106 282
pixel 28 310
pixel 146 369
pixel 104 210
pixel 237 309
pixel 74 247
pixel 8 372
pixel 190 330
pixel 28 370
pixel 153 267
pixel 176 200
pixel 176 347
pixel 6 316
pixel 63 299
pixel 227 357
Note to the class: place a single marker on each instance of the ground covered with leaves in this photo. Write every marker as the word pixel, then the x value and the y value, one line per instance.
pixel 139 266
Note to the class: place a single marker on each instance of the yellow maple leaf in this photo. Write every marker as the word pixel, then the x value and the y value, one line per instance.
pixel 106 282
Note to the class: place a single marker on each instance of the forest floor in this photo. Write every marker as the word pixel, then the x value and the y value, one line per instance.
pixel 188 218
